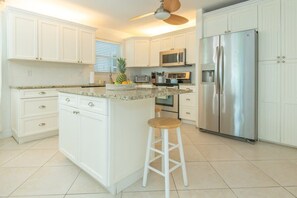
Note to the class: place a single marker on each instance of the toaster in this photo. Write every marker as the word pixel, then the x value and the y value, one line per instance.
pixel 142 79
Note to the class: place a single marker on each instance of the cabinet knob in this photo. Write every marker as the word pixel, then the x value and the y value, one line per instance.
pixel 36 58
pixel 278 57
pixel 67 100
pixel 42 124
pixel 188 99
pixel 91 104
pixel 42 93
pixel 40 58
pixel 188 113
pixel 42 107
pixel 283 61
pixel 77 61
pixel 277 61
pixel 284 57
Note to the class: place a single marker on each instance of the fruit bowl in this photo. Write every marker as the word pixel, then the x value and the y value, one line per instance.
pixel 120 86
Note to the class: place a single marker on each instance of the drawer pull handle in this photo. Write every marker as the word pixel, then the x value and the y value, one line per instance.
pixel 42 107
pixel 188 113
pixel 76 112
pixel 67 100
pixel 91 104
pixel 188 99
pixel 42 93
pixel 42 124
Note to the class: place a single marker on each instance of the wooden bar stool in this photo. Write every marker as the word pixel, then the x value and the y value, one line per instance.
pixel 164 124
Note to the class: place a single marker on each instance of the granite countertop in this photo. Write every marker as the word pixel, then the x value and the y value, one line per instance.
pixel 55 86
pixel 135 94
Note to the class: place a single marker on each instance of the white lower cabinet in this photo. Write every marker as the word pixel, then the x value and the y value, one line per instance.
pixel 188 108
pixel 93 144
pixel 106 138
pixel 34 113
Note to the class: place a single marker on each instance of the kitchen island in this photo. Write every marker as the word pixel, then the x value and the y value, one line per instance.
pixel 105 132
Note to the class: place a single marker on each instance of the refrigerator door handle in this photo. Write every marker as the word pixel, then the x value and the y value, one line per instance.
pixel 222 70
pixel 217 70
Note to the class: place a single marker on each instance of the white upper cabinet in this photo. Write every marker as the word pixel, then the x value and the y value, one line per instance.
pixel 191 45
pixel 69 44
pixel 87 46
pixel 137 52
pixel 179 41
pixel 215 25
pixel 289 29
pixel 243 19
pixel 35 37
pixel 269 30
pixel 49 40
pixel 22 36
pixel 233 20
pixel 166 43
pixel 155 52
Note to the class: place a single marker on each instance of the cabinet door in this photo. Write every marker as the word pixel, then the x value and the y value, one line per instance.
pixel 191 47
pixel 289 102
pixel 269 30
pixel 87 46
pixel 93 144
pixel 215 25
pixel 22 37
pixel 155 52
pixel 179 41
pixel 49 40
pixel 269 101
pixel 129 53
pixel 243 19
pixel 69 132
pixel 166 43
pixel 69 44
pixel 289 29
pixel 141 53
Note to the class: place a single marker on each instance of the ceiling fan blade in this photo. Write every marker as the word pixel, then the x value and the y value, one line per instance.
pixel 141 16
pixel 176 20
pixel 171 5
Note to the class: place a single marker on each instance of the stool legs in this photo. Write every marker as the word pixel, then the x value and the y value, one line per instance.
pixel 182 157
pixel 166 164
pixel 147 157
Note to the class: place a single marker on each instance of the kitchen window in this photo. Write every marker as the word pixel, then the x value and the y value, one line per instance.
pixel 106 56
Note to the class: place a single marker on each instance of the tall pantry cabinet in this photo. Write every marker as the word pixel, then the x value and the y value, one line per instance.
pixel 278 71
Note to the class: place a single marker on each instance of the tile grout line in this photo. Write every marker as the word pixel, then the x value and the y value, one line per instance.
pixel 28 177
pixel 80 172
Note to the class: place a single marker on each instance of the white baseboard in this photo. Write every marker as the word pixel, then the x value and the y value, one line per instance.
pixel 5 134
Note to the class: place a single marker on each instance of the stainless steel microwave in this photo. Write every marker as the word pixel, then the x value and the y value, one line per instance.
pixel 175 57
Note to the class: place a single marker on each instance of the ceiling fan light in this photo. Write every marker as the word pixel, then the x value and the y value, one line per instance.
pixel 162 14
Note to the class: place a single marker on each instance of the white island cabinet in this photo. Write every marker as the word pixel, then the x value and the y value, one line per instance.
pixel 105 138
pixel 105 132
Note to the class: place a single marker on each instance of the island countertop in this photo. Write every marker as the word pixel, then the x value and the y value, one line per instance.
pixel 135 94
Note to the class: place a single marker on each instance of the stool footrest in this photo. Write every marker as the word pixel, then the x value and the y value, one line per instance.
pixel 156 150
pixel 173 146
pixel 155 158
pixel 157 141
pixel 156 171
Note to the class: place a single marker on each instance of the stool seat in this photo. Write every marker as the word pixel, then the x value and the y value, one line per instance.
pixel 164 123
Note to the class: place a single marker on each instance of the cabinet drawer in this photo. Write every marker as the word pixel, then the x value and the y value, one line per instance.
pixel 38 125
pixel 188 113
pixel 188 99
pixel 39 106
pixel 191 87
pixel 97 105
pixel 68 99
pixel 38 93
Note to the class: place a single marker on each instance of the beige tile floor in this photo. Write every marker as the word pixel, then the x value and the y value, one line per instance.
pixel 217 168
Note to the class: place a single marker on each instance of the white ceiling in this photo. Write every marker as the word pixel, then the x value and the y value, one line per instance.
pixel 115 14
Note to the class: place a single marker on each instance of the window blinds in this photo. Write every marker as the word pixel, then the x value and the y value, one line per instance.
pixel 106 56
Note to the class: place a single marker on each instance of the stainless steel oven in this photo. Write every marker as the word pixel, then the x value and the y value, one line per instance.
pixel 168 104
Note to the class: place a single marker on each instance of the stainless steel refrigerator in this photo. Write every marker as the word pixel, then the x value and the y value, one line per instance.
pixel 228 85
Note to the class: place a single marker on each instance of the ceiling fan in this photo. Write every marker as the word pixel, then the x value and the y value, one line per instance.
pixel 164 12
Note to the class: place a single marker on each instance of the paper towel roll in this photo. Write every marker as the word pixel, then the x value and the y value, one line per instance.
pixel 92 77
